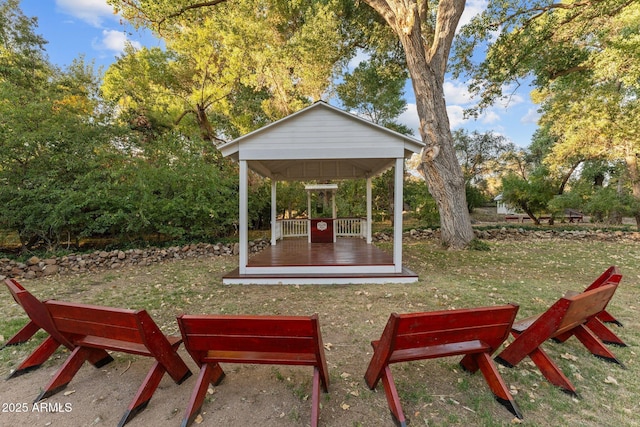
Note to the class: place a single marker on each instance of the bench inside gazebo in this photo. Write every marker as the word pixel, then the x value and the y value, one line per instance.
pixel 321 144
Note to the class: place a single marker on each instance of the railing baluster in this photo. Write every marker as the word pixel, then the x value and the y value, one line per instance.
pixel 344 227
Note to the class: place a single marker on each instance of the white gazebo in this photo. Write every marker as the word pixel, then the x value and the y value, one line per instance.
pixel 321 143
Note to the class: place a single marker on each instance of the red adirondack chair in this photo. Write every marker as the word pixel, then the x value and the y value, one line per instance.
pixel 566 318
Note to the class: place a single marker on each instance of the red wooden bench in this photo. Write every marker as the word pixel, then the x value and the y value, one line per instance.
pixel 94 329
pixel 39 319
pixel 475 333
pixel 567 317
pixel 275 340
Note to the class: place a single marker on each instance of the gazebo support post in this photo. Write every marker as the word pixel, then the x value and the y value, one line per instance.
pixel 369 216
pixel 274 199
pixel 309 216
pixel 244 218
pixel 397 214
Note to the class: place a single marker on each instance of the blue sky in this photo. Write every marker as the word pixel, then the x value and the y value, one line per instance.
pixel 89 27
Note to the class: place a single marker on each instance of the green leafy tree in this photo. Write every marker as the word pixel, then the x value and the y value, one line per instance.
pixel 532 193
pixel 22 59
pixel 53 139
pixel 67 171
pixel 420 201
pixel 480 156
pixel 583 59
pixel 374 90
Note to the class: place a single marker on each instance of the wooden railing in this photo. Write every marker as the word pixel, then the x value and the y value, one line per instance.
pixel 350 227
pixel 292 228
pixel 344 227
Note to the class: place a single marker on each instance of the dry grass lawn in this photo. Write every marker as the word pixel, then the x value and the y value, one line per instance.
pixel 533 274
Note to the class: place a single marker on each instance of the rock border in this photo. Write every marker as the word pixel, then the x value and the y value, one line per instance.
pixel 35 267
pixel 116 259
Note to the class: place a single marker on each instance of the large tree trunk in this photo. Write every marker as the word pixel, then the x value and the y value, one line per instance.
pixel 634 176
pixel 427 66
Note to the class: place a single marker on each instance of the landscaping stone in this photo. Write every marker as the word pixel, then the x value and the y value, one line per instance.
pixel 104 260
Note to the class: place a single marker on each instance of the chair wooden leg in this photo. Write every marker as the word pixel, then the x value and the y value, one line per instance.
pixel 605 317
pixel 37 358
pixel 209 373
pixel 66 372
pixel 518 350
pixel 144 394
pixel 551 371
pixel 315 400
pixel 497 384
pixel 594 345
pixel 605 334
pixel 23 335
pixel 174 365
pixel 375 368
pixel 470 363
pixel 392 397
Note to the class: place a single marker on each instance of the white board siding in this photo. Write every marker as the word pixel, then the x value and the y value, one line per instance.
pixel 321 132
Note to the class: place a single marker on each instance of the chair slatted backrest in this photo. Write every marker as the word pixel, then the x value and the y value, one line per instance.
pixel 263 339
pixel 83 320
pixel 572 311
pixel 487 324
pixel 611 276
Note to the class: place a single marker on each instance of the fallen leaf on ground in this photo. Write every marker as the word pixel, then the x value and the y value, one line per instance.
pixel 611 380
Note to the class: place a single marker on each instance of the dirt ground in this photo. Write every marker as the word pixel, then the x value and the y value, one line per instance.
pixel 249 395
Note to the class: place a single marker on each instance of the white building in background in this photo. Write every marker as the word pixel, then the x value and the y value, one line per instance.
pixel 503 208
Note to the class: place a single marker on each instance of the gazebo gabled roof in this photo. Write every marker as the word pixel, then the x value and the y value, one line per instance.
pixel 321 142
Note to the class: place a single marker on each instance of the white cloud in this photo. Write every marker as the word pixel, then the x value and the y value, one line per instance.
pixel 93 12
pixel 456 92
pixel 490 117
pixel 471 9
pixel 510 96
pixel 456 116
pixel 531 117
pixel 361 56
pixel 114 41
pixel 410 118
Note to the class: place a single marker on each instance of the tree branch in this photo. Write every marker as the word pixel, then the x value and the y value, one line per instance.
pixel 142 16
pixel 383 8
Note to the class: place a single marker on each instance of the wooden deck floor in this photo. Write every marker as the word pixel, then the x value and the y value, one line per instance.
pixel 346 251
pixel 300 253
